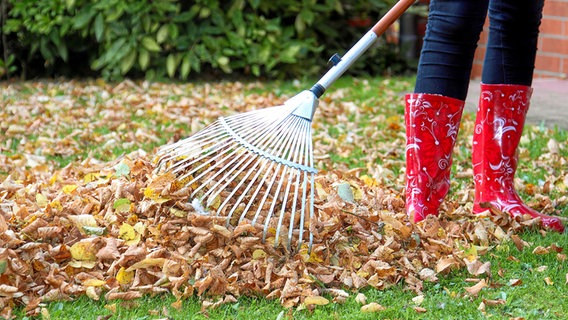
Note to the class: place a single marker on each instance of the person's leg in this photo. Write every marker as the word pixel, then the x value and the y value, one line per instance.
pixel 433 112
pixel 503 104
pixel 449 44
pixel 512 41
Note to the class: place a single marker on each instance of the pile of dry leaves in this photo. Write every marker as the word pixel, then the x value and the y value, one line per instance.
pixel 118 230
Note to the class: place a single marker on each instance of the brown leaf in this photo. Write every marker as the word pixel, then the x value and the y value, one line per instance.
pixel 519 243
pixel 515 282
pixel 540 250
pixel 446 264
pixel 474 290
pixel 492 303
pixel 128 295
pixel 419 309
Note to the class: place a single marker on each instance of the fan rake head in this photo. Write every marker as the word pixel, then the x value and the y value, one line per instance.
pixel 256 165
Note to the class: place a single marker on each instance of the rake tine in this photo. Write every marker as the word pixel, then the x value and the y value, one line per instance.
pixel 262 138
pixel 295 154
pixel 265 142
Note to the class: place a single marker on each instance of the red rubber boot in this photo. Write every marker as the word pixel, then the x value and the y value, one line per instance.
pixel 498 127
pixel 432 125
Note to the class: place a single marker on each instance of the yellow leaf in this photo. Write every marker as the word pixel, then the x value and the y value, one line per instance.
pixel 123 276
pixel 214 203
pixel 369 181
pixel 55 204
pixel 320 191
pixel 126 232
pixel 53 179
pixel 316 300
pixel 152 195
pixel 309 257
pixel 357 192
pixel 41 200
pixel 83 251
pixel 148 262
pixel 90 177
pixel 83 220
pixel 111 307
pixel 93 282
pixel 548 281
pixel 258 254
pixel 372 307
pixel 91 292
pixel 178 213
pixel 69 188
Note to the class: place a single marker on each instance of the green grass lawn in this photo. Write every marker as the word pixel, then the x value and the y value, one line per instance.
pixel 523 284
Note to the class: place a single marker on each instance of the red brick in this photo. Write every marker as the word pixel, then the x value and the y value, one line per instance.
pixel 547 63
pixel 483 36
pixel 565 67
pixel 554 45
pixel 479 53
pixel 565 29
pixel 557 8
pixel 476 70
pixel 551 26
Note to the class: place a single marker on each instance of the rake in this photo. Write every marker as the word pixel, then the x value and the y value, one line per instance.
pixel 258 166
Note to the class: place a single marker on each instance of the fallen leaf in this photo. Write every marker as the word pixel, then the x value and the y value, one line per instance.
pixel 540 250
pixel 541 268
pixel 122 205
pixel 492 303
pixel 83 250
pixel 123 276
pixel 126 232
pixel 519 243
pixel 474 290
pixel 361 298
pixel 94 283
pixel 515 282
pixel 316 300
pixel 419 309
pixel 418 300
pixel 372 307
pixel 69 189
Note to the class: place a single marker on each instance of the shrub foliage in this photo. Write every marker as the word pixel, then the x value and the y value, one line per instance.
pixel 176 39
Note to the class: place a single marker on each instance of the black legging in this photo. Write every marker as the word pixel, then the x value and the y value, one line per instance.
pixel 451 39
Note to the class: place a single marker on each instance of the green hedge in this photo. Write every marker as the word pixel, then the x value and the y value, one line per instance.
pixel 176 39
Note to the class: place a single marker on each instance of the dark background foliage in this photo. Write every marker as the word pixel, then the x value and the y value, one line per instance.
pixel 188 39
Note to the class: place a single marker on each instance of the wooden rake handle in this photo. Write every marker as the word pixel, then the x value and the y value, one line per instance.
pixel 342 64
pixel 391 16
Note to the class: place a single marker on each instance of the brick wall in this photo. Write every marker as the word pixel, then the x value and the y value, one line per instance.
pixel 552 54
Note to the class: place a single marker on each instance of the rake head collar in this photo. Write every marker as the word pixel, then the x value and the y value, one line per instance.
pixel 306 102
